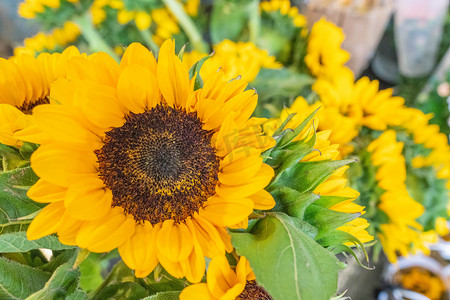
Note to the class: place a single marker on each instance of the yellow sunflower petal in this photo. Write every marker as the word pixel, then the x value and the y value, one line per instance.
pixel 175 241
pixel 263 200
pixel 107 233
pixel 139 55
pixel 138 89
pixel 47 221
pixel 139 252
pixel 62 166
pixel 45 192
pixel 88 199
pixel 226 212
pixel 197 291
pixel 173 78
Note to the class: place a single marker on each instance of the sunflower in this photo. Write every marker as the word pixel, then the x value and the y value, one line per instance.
pixel 24 84
pixel 139 161
pixel 225 282
pixel 402 230
pixel 324 53
pixel 336 184
pixel 242 59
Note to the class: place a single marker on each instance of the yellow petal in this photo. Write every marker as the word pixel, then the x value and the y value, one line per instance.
pixel 45 192
pixel 88 199
pixel 173 76
pixel 139 252
pixel 62 166
pixel 258 182
pixel 197 291
pixel 47 221
pixel 139 55
pixel 107 233
pixel 240 171
pixel 137 89
pixel 61 125
pixel 226 212
pixel 175 241
pixel 263 200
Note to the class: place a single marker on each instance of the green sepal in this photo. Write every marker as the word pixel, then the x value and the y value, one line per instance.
pixel 288 263
pixel 292 202
pixel 311 173
pixel 326 219
pixel 329 201
pixel 282 159
pixel 288 135
pixel 181 52
pixel 335 241
pixel 195 71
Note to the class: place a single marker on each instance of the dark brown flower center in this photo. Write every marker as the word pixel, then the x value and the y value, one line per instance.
pixel 27 108
pixel 253 291
pixel 159 165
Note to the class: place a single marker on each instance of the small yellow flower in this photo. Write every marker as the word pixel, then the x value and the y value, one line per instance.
pixel 242 59
pixel 324 53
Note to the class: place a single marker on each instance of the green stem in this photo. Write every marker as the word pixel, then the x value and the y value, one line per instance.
pixel 254 22
pixel 187 24
pixel 146 35
pixel 95 40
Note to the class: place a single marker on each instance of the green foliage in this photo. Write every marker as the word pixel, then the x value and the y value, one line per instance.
pixel 14 202
pixel 278 88
pixel 18 281
pixel 63 282
pixel 287 263
pixel 229 20
pixel 18 242
pixel 164 296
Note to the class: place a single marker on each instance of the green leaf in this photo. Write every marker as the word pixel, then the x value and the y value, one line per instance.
pixel 59 258
pixel 228 20
pixel 19 178
pixel 123 290
pixel 287 263
pixel 171 295
pixel 64 281
pixel 326 219
pixel 280 84
pixel 15 204
pixel 78 295
pixel 90 268
pixel 18 242
pixel 11 158
pixel 308 175
pixel 18 281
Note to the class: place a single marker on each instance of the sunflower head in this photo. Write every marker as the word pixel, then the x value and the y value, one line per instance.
pixel 135 156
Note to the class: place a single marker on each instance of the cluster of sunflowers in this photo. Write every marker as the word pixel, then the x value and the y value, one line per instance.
pixel 218 150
